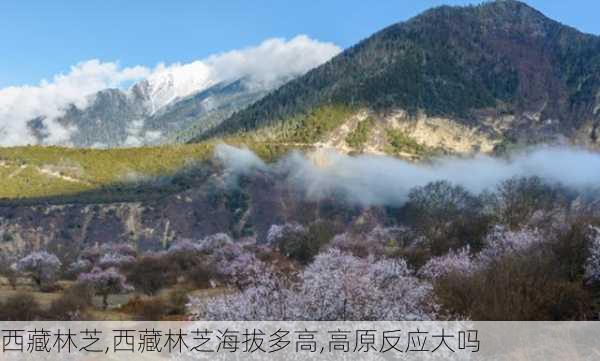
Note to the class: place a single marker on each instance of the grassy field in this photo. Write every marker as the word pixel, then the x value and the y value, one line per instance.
pixel 34 171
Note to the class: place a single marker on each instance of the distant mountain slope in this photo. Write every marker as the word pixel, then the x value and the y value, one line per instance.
pixel 144 115
pixel 199 112
pixel 168 103
pixel 502 67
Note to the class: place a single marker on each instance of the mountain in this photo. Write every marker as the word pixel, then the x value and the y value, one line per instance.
pixel 203 110
pixel 154 111
pixel 453 79
pixel 148 112
pixel 166 87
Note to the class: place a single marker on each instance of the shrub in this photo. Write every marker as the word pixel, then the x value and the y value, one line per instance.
pixel 399 142
pixel 522 287
pixel 152 309
pixel 448 216
pixel 72 305
pixel 592 263
pixel 20 307
pixel 573 246
pixel 298 242
pixel 11 276
pixel 184 256
pixel 178 299
pixel 517 199
pixel 360 135
pixel 150 274
pixel 201 275
pixel 300 247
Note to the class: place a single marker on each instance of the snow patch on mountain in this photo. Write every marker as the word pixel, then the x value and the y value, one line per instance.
pixel 167 84
pixel 264 66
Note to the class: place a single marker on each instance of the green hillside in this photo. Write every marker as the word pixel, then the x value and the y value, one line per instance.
pixel 502 57
pixel 37 171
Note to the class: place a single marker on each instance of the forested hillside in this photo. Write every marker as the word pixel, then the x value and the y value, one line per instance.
pixel 464 63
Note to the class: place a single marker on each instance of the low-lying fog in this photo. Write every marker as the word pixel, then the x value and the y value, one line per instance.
pixel 381 180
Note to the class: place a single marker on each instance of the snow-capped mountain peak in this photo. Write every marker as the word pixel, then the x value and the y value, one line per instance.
pixel 168 84
pixel 94 104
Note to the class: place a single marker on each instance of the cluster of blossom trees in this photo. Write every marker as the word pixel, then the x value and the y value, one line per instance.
pixel 378 242
pixel 452 254
pixel 43 267
pixel 460 261
pixel 335 286
pixel 105 282
pixel 348 281
pixel 524 243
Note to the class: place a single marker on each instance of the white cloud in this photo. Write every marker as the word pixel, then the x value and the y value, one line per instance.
pixel 136 136
pixel 19 104
pixel 380 180
pixel 272 59
pixel 239 161
pixel 263 64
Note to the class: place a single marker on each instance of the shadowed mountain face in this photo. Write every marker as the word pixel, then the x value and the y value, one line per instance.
pixel 500 65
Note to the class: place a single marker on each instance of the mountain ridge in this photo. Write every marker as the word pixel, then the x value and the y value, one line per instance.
pixel 468 64
pixel 262 68
pixel 133 117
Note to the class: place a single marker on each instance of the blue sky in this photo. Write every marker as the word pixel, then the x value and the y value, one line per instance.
pixel 41 38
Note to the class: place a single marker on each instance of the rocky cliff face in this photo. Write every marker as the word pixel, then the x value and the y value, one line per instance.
pixel 422 135
pixel 491 134
pixel 245 209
